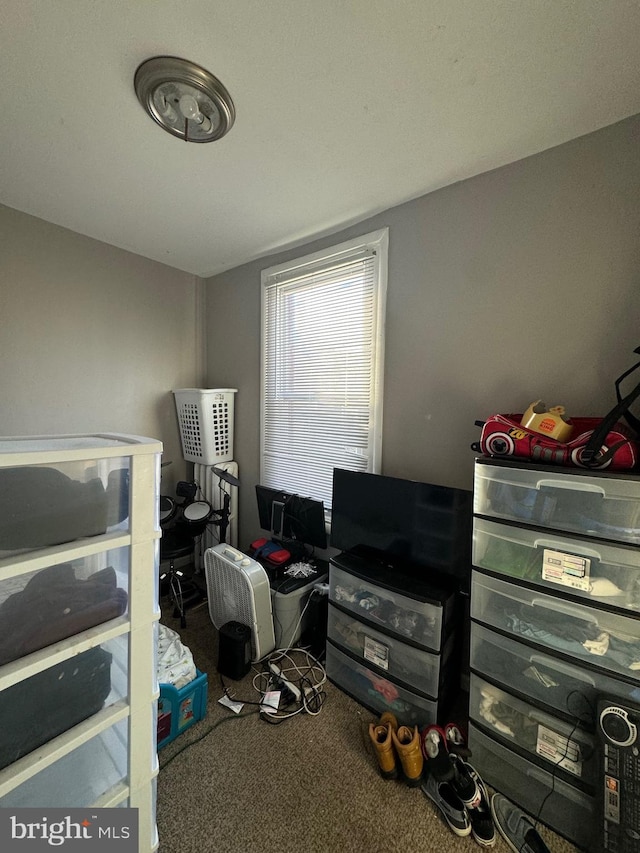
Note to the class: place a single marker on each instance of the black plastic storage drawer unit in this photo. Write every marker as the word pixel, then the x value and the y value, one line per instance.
pixel 406 664
pixel 402 606
pixel 542 738
pixel 563 807
pixel 555 623
pixel 392 639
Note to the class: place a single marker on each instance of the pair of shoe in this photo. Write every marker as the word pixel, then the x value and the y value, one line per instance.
pixel 516 827
pixel 397 749
pixel 456 788
pixel 463 819
pixel 442 750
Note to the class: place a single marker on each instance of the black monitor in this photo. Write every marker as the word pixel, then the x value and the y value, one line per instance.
pixel 291 517
pixel 414 524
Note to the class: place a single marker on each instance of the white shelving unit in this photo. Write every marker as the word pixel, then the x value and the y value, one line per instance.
pixel 107 756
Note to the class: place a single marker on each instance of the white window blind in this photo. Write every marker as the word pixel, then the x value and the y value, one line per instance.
pixel 322 354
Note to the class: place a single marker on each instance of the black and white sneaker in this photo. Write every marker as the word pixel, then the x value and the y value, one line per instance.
pixel 463 783
pixel 482 826
pixel 449 803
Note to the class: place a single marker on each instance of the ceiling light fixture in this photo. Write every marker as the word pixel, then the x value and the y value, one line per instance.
pixel 184 99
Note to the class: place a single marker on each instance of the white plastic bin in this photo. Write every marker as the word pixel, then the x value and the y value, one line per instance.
pixel 205 417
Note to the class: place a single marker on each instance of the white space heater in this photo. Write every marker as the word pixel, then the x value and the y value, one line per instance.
pixel 213 490
pixel 238 591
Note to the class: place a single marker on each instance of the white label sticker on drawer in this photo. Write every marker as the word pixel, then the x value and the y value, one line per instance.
pixel 376 652
pixel 559 750
pixel 566 569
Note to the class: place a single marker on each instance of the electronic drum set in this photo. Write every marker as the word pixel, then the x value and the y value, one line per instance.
pixel 182 522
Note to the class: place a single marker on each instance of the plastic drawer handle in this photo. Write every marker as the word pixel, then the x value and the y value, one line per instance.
pixel 567 792
pixel 562 546
pixel 572 486
pixel 554 726
pixel 541 776
pixel 561 607
pixel 558 666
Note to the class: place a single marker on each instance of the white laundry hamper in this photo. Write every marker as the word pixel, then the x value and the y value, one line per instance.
pixel 205 417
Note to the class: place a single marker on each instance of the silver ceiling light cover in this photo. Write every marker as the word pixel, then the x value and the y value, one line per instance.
pixel 184 99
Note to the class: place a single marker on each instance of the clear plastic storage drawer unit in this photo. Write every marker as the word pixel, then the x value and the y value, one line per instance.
pixel 408 664
pixel 378 693
pixel 39 708
pixel 80 777
pixel 605 640
pixel 421 615
pixel 552 743
pixel 605 505
pixel 38 608
pixel 561 806
pixel 567 688
pixel 52 504
pixel 590 569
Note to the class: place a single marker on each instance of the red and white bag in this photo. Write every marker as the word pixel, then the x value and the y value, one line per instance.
pixel 615 449
pixel 596 442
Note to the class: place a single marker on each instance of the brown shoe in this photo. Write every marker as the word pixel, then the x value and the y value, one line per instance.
pixel 407 744
pixel 381 734
pixel 388 719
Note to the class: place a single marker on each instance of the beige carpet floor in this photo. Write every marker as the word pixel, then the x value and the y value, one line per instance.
pixel 235 784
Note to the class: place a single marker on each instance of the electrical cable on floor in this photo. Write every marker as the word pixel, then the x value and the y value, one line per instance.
pixel 204 735
pixel 232 698
pixel 306 678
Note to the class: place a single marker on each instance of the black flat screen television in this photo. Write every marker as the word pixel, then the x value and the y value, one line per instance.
pixel 420 527
pixel 291 517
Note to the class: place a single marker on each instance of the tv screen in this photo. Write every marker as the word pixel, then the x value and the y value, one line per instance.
pixel 416 524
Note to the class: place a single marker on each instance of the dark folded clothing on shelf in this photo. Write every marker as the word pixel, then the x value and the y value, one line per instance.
pixel 55 605
pixel 40 507
pixel 40 708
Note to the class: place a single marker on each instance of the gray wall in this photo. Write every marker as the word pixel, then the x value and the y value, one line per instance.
pixel 519 284
pixel 93 338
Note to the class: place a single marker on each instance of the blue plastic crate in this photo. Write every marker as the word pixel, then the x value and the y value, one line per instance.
pixel 180 709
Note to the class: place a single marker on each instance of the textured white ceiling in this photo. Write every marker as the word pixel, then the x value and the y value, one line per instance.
pixel 344 108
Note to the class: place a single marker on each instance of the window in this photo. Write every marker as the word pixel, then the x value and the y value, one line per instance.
pixel 322 358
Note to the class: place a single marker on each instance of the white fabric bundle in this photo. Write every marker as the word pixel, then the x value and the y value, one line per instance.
pixel 175 661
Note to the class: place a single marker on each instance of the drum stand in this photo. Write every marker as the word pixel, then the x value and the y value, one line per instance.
pixel 182 524
pixel 183 592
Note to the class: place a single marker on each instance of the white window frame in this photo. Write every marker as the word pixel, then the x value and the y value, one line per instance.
pixel 375 244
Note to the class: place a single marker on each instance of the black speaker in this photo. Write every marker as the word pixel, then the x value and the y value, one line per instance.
pixel 234 650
